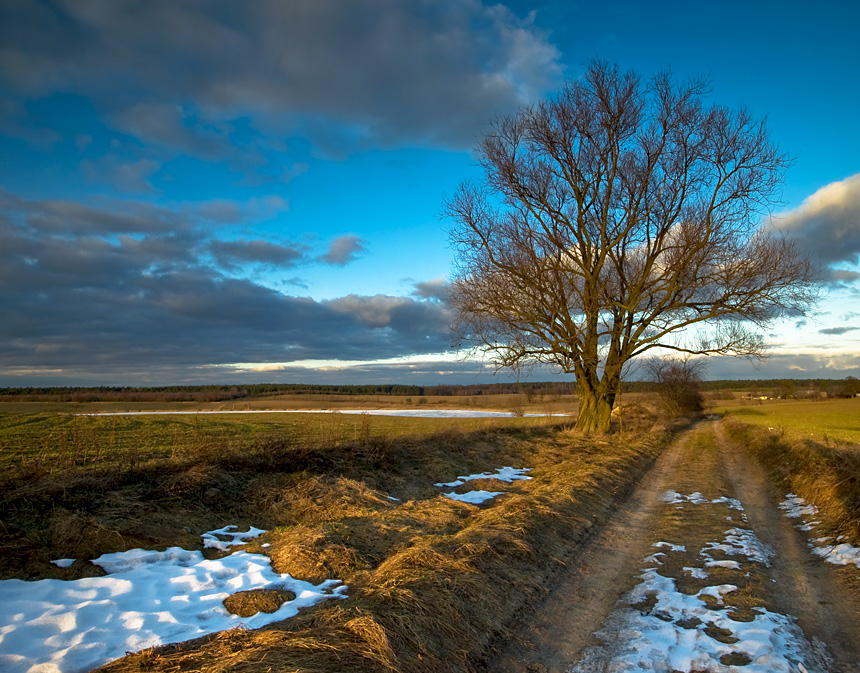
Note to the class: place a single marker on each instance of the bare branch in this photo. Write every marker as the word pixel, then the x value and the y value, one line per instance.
pixel 618 218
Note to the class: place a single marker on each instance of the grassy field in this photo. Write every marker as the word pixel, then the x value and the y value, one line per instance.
pixel 430 578
pixel 517 403
pixel 432 581
pixel 60 441
pixel 825 421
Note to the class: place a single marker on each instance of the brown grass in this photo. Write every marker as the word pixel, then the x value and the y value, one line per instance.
pixel 828 476
pixel 433 583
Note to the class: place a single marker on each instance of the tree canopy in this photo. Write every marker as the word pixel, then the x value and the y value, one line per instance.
pixel 620 217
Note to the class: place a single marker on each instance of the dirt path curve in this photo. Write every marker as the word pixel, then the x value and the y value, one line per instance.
pixel 697 571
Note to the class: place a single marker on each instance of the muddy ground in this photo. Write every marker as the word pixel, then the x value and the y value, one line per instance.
pixel 597 617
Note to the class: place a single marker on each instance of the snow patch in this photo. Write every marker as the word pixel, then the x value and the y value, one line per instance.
pixel 212 539
pixel 673 634
pixel 740 541
pixel 675 498
pixel 507 474
pixel 63 562
pixel 697 573
pixel 796 507
pixel 473 497
pixel 669 546
pixel 731 565
pixel 839 554
pixel 660 629
pixel 148 598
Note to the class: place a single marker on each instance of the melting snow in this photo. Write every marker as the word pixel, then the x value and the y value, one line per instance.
pixel 673 636
pixel 675 498
pixel 669 546
pixel 841 554
pixel 474 497
pixel 63 562
pixel 796 507
pixel 211 540
pixel 148 598
pixel 667 630
pixel 731 565
pixel 507 474
pixel 740 541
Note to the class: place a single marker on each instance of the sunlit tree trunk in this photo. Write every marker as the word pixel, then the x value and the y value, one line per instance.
pixel 595 410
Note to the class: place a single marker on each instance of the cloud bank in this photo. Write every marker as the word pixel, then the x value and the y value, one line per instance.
pixel 827 225
pixel 99 288
pixel 179 73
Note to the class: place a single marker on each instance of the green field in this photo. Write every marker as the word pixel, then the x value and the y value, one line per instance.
pixel 826 421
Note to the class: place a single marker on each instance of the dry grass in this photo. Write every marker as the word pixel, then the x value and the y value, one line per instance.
pixel 432 582
pixel 249 603
pixel 828 476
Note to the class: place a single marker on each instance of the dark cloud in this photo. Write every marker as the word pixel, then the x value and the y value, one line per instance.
pixel 108 217
pixel 403 314
pixel 127 176
pixel 842 277
pixel 432 289
pixel 343 250
pixel 69 218
pixel 827 225
pixel 838 330
pixel 89 303
pixel 234 254
pixel 178 72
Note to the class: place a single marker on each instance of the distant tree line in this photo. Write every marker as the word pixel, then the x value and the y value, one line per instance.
pixel 786 388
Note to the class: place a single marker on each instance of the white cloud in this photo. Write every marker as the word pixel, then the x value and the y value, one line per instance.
pixel 827 224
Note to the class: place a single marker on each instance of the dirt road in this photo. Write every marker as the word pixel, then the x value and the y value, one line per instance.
pixel 698 571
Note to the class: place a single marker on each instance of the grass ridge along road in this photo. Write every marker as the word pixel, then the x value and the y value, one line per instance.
pixel 698 571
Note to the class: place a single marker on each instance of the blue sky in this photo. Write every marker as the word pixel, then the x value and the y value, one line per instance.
pixel 225 192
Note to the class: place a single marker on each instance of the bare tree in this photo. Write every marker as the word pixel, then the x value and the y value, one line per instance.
pixel 617 218
pixel 678 380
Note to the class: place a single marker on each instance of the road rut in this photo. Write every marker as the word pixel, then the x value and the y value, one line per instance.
pixel 641 595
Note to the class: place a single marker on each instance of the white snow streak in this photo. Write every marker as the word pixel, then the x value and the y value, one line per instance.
pixel 474 497
pixel 409 413
pixel 839 554
pixel 508 474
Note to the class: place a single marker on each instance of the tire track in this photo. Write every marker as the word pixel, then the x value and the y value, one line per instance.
pixel 689 505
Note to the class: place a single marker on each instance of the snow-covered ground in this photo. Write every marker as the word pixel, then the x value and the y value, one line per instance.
pixel 507 474
pixel 682 632
pixel 833 551
pixel 415 413
pixel 147 598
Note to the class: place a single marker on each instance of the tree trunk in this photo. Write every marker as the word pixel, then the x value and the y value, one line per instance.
pixel 595 410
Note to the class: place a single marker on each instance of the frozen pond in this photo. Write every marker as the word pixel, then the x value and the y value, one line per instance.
pixel 413 413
